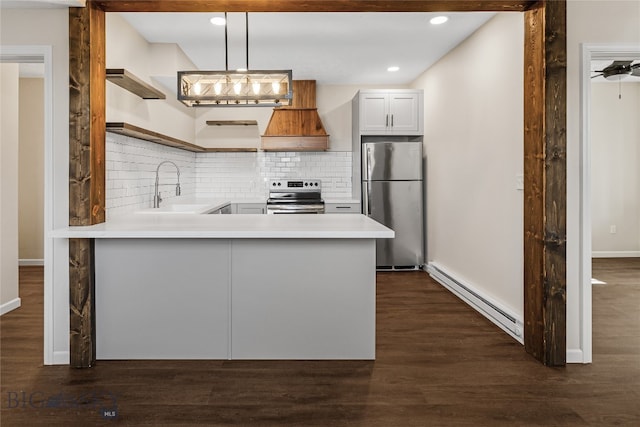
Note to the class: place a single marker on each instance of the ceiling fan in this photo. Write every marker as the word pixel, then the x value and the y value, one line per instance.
pixel 619 70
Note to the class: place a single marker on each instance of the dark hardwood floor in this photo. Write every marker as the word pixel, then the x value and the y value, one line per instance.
pixel 439 363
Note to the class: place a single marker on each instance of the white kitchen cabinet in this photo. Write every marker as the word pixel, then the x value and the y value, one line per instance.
pixel 342 208
pixel 397 112
pixel 250 208
pixel 162 298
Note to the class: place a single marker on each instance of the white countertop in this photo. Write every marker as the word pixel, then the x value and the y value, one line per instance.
pixel 185 225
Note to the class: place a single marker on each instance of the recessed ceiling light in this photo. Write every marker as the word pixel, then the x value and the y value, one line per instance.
pixel 218 20
pixel 439 20
pixel 392 69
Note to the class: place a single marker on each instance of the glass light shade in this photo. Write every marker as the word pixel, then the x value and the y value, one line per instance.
pixel 231 88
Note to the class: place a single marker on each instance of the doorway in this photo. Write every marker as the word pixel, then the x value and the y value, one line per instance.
pixel 603 54
pixel 42 54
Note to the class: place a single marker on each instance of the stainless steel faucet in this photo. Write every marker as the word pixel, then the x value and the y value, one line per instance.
pixel 156 195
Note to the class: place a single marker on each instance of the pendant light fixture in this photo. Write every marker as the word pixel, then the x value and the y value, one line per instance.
pixel 239 88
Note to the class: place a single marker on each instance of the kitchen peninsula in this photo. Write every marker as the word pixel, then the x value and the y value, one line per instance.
pixel 185 286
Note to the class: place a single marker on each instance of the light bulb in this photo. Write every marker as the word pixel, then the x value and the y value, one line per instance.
pixel 256 88
pixel 276 87
pixel 197 88
pixel 237 88
pixel 217 88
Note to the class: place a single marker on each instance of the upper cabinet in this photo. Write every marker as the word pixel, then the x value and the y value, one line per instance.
pixel 392 112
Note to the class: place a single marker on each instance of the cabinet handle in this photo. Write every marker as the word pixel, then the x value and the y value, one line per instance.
pixel 392 120
pixel 386 123
pixel 343 207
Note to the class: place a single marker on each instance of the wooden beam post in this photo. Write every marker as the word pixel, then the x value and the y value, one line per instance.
pixel 86 170
pixel 545 183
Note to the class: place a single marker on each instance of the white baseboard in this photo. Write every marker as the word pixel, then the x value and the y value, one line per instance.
pixel 60 358
pixel 10 306
pixel 575 356
pixel 615 254
pixel 25 262
pixel 489 308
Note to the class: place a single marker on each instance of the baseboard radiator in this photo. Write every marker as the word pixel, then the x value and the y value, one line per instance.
pixel 500 316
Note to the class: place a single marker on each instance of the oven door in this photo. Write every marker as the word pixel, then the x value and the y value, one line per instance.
pixel 295 208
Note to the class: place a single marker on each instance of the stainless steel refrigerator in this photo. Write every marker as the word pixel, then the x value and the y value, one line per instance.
pixel 392 194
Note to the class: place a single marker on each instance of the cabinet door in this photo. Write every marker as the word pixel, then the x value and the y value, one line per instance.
pixel 404 112
pixel 374 112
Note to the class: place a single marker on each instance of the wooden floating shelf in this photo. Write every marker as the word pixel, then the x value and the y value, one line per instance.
pixel 148 135
pixel 232 122
pixel 133 84
pixel 158 138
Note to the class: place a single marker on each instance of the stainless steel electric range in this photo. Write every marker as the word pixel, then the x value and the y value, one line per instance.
pixel 297 196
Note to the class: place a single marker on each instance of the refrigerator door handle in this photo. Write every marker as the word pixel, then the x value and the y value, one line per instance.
pixel 365 198
pixel 365 165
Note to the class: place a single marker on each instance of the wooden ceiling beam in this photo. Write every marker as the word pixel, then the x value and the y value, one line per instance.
pixel 314 5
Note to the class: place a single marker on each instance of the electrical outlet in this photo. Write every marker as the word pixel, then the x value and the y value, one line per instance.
pixel 520 182
pixel 613 229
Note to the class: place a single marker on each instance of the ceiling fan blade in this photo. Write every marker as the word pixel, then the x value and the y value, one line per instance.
pixel 620 64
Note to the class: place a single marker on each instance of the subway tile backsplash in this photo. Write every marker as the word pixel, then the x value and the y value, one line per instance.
pixel 242 176
pixel 132 163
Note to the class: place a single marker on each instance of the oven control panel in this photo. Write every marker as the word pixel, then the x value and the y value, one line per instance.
pixel 295 185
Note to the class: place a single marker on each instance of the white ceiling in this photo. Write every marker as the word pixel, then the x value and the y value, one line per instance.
pixel 331 48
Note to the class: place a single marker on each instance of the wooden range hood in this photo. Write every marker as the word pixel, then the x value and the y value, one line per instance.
pixel 297 127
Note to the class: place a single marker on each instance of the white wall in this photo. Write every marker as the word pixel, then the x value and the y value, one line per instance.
pixel 614 22
pixel 474 148
pixel 127 49
pixel 31 170
pixel 50 27
pixel 615 168
pixel 9 187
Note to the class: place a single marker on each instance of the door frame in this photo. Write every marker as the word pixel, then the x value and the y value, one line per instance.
pixel 43 54
pixel 544 127
pixel 589 52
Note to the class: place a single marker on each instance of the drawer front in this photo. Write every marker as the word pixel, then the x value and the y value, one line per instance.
pixel 342 208
pixel 251 208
